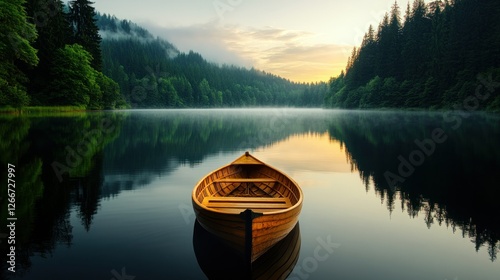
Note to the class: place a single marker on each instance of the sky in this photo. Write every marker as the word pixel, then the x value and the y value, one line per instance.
pixel 304 41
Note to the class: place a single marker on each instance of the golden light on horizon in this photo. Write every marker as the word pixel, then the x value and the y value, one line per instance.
pixel 306 72
pixel 319 69
pixel 294 55
pixel 306 152
pixel 307 64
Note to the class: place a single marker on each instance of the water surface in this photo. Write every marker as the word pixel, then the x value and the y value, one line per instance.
pixel 388 195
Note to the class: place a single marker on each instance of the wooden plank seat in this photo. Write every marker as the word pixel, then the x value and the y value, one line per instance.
pixel 242 203
pixel 245 180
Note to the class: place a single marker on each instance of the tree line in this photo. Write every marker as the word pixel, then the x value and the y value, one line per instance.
pixel 438 56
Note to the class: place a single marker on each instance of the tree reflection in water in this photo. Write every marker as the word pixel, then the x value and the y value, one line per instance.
pixel 455 186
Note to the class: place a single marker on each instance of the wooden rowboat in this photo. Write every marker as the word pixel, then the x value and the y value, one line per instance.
pixel 249 204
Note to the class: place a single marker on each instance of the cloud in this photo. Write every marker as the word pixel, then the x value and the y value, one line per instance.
pixel 289 53
pixel 292 54
pixel 206 39
pixel 274 34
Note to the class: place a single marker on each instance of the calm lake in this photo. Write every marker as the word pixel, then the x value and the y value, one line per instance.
pixel 387 195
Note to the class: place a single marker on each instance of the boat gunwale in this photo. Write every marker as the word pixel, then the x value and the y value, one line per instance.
pixel 267 213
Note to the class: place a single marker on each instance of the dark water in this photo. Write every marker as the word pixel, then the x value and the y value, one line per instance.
pixel 388 195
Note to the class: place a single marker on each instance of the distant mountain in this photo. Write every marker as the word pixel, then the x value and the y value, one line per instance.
pixel 153 73
pixel 111 28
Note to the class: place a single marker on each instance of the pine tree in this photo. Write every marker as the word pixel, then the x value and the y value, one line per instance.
pixel 82 18
pixel 384 48
pixel 368 55
pixel 395 33
pixel 53 34
pixel 416 41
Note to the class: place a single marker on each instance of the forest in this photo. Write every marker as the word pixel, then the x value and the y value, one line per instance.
pixel 70 55
pixel 50 49
pixel 441 55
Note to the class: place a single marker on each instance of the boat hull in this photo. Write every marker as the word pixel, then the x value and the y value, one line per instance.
pixel 266 230
pixel 277 263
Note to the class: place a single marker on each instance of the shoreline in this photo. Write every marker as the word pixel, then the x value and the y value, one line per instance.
pixel 63 110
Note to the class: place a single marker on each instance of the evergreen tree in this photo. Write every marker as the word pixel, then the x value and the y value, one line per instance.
pixel 53 34
pixel 416 40
pixel 82 18
pixel 395 43
pixel 16 36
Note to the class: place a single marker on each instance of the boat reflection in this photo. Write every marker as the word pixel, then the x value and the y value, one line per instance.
pixel 218 260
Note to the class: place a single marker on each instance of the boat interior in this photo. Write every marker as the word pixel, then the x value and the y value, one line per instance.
pixel 248 186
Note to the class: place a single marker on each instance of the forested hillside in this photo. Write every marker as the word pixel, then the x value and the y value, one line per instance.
pixel 439 55
pixel 152 73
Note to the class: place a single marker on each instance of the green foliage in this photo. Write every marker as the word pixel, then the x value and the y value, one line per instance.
pixel 111 97
pixel 72 70
pixel 62 73
pixel 431 60
pixel 15 96
pixel 73 80
pixel 16 33
pixel 16 36
pixel 205 92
